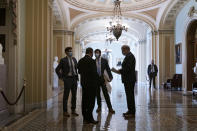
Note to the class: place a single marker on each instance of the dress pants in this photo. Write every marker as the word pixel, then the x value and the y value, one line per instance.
pixel 106 95
pixel 88 101
pixel 70 83
pixel 152 77
pixel 129 90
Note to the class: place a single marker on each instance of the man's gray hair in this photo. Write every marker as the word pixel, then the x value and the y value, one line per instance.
pixel 125 47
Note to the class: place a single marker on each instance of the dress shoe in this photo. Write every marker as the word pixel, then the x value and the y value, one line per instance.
pixel 129 115
pixel 111 111
pixel 74 113
pixel 94 122
pixel 86 122
pixel 125 113
pixel 66 114
pixel 98 109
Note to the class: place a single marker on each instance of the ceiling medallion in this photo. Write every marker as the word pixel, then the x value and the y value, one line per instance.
pixel 115 25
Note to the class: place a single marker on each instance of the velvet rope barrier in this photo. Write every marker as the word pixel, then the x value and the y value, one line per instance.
pixel 15 102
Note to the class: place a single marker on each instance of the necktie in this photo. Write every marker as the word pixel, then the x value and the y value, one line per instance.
pixel 99 68
pixel 153 70
pixel 71 63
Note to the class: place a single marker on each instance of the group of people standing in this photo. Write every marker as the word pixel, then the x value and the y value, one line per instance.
pixel 92 81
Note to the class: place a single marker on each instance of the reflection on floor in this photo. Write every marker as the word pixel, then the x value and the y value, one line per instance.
pixel 157 110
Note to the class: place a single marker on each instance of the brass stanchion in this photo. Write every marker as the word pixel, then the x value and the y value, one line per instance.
pixel 24 104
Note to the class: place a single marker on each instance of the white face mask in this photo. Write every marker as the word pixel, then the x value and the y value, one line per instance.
pixel 97 55
pixel 70 54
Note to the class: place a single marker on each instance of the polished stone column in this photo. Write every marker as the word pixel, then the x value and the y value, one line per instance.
pixel 77 50
pixel 142 61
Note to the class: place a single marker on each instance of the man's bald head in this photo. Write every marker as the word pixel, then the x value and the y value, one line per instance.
pixel 125 49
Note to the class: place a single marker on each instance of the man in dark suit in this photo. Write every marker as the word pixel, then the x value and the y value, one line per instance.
pixel 67 71
pixel 152 73
pixel 102 65
pixel 128 78
pixel 89 78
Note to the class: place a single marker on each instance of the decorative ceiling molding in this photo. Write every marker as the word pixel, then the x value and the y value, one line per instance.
pixel 169 18
pixel 152 13
pixel 56 12
pixel 74 13
pixel 98 16
pixel 107 5
pixel 137 28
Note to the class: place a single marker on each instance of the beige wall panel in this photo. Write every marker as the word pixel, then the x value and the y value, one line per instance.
pixel 167 57
pixel 37 52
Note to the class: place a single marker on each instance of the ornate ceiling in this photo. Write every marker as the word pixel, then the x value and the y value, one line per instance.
pixel 87 17
pixel 107 5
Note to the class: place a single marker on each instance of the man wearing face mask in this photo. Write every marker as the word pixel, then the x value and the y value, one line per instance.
pixel 89 80
pixel 102 65
pixel 67 71
pixel 128 79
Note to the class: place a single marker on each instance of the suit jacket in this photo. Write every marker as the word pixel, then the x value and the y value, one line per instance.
pixel 105 66
pixel 63 68
pixel 149 70
pixel 128 69
pixel 88 71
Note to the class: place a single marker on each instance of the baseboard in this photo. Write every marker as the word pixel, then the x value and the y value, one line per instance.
pixel 30 107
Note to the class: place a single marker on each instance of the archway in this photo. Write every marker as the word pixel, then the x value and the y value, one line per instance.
pixel 191 52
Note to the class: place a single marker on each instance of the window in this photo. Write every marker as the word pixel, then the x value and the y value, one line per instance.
pixel 2 16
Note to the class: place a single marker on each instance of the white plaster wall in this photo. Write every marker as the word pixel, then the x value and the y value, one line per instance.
pixel 181 27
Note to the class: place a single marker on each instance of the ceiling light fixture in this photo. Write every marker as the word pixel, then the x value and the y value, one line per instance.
pixel 116 26
pixel 109 38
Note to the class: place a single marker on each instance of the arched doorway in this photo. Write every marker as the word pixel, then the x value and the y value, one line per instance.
pixel 191 52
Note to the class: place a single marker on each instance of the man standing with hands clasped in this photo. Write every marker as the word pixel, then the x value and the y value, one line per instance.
pixel 128 79
pixel 152 73
pixel 102 65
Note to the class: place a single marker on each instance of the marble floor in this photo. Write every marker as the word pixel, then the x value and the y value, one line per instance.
pixel 156 110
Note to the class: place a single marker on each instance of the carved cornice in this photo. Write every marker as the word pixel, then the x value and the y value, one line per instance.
pixel 65 32
pixel 77 41
pixel 173 12
pixel 107 5
pixel 156 32
pixel 166 31
pixel 142 41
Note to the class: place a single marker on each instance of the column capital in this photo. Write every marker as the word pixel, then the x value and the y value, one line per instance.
pixel 77 42
pixel 162 31
pixel 65 32
pixel 154 32
pixel 142 41
pixel 166 31
pixel 50 3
